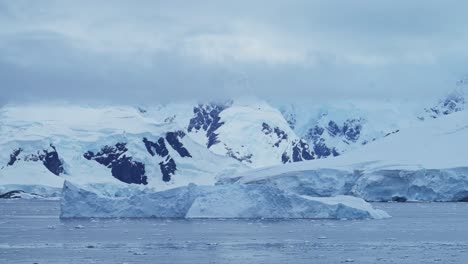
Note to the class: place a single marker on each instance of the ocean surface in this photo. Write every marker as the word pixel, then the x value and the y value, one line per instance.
pixel 31 232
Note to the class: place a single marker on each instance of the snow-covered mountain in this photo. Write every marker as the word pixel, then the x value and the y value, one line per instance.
pixel 426 161
pixel 167 146
pixel 331 129
pixel 158 146
pixel 43 145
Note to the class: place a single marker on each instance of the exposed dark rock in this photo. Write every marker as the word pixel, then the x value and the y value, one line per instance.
pixel 11 195
pixel 238 156
pixel 129 171
pixel 207 118
pixel 173 140
pixel 335 152
pixel 285 158
pixel 168 168
pixel 394 132
pixel 34 157
pixel 108 154
pixel 50 158
pixel 352 129
pixel 301 151
pixel 52 161
pixel 158 147
pixel 280 134
pixel 315 139
pixel 399 199
pixel 321 149
pixel 14 156
pixel 333 129
pixel 122 167
pixel 266 129
pixel 291 119
pixel 454 102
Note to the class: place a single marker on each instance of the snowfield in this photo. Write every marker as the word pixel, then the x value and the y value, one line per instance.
pixel 386 152
pixel 226 201
pixel 426 162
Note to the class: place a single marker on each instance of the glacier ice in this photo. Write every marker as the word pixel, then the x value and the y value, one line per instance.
pixel 424 163
pixel 222 201
pixel 381 185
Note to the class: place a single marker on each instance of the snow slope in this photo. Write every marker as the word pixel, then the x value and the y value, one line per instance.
pixel 44 145
pixel 337 127
pixel 166 146
pixel 424 162
pixel 228 201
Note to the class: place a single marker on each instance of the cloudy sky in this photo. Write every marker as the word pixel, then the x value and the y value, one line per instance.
pixel 160 51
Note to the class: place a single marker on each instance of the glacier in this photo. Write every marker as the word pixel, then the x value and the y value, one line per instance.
pixel 222 201
pixel 426 162
pixel 385 151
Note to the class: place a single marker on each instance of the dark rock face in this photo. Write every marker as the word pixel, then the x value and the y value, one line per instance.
pixel 206 117
pixel 108 154
pixel 333 129
pixel 173 140
pixel 399 199
pixel 454 102
pixel 158 147
pixel 280 134
pixel 350 130
pixel 238 156
pixel 285 158
pixel 168 166
pixel 129 171
pixel 314 136
pixel 321 149
pixel 51 160
pixel 14 156
pixel 301 151
pixel 122 167
pixel 11 195
pixel 394 132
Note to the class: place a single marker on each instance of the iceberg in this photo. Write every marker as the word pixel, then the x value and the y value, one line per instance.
pixel 221 201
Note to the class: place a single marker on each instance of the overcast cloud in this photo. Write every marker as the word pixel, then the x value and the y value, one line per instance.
pixel 160 51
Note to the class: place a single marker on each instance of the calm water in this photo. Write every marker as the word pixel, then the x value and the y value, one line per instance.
pixel 30 232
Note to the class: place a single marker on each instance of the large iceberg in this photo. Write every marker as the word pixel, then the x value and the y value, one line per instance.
pixel 222 201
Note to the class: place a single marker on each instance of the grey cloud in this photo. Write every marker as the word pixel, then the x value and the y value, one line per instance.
pixel 159 51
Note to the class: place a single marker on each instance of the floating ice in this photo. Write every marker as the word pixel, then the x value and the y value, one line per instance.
pixel 224 201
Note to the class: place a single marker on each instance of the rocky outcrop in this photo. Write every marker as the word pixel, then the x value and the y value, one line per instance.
pixel 122 167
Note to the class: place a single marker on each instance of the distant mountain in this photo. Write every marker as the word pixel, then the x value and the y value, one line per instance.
pixel 166 146
pixel 423 162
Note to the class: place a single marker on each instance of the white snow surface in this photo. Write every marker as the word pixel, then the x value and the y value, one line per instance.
pixel 222 201
pixel 377 118
pixel 422 153
pixel 424 162
pixel 74 130
pixel 242 133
